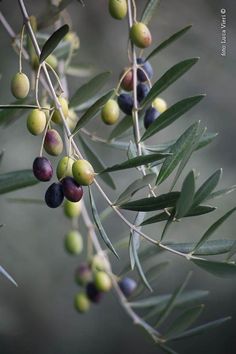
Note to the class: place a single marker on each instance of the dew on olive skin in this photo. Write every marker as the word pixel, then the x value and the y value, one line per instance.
pixel 42 169
pixel 54 195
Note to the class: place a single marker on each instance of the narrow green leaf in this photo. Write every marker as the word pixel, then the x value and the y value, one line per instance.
pixel 121 127
pixel 232 251
pixel 206 139
pixel 184 321
pixel 171 303
pixel 190 297
pixel 168 78
pixel 15 180
pixel 149 11
pixel 201 329
pixel 207 187
pixel 9 115
pixel 199 210
pixel 97 163
pixel 171 114
pixel 219 269
pixel 188 153
pixel 92 111
pixel 166 349
pixel 79 70
pixel 136 161
pixel 178 150
pixel 221 192
pixel 168 41
pixel 185 200
pixel 209 248
pixel 213 228
pixel 7 275
pixel 53 42
pixel 153 203
pixel 135 187
pixel 90 89
pixel 99 224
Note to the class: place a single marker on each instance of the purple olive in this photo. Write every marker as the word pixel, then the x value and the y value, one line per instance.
pixel 126 103
pixel 127 286
pixel 142 91
pixel 83 274
pixel 147 72
pixel 54 195
pixel 71 189
pixel 42 169
pixel 150 116
pixel 92 293
pixel 53 143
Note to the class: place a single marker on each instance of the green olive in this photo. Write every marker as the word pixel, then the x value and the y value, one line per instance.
pixel 56 117
pixel 36 121
pixel 81 302
pixel 140 35
pixel 110 112
pixel 83 172
pixel 159 104
pixel 74 242
pixel 52 61
pixel 64 167
pixel 102 281
pixel 72 209
pixel 118 9
pixel 20 85
pixel 98 263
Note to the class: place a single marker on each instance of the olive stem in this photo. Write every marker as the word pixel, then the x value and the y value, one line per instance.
pixel 21 48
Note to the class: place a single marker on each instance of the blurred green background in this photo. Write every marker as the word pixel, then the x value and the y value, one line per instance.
pixel 38 316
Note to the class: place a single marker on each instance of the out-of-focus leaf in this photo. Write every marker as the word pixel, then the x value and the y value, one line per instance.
pixel 90 89
pixel 200 329
pixel 136 161
pixel 149 11
pixel 184 321
pixel 99 224
pixel 232 251
pixel 207 249
pixel 135 187
pixel 178 150
pixel 199 210
pixel 153 203
pixel 79 70
pixel 97 163
pixel 185 200
pixel 1 155
pixel 221 192
pixel 9 115
pixel 171 114
pixel 51 14
pixel 168 41
pixel 7 275
pixel 207 187
pixel 53 42
pixel 213 228
pixel 15 180
pixel 26 201
pixel 168 78
pixel 121 127
pixel 92 111
pixel 219 269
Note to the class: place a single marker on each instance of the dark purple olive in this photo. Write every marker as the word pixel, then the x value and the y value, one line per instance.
pixel 42 169
pixel 92 293
pixel 147 72
pixel 126 103
pixel 54 195
pixel 150 115
pixel 142 91
pixel 71 189
pixel 127 286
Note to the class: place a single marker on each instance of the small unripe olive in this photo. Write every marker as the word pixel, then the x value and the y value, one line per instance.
pixel 73 39
pixel 127 82
pixel 20 85
pixel 98 263
pixel 72 209
pixel 72 119
pixel 56 118
pixel 53 143
pixel 83 172
pixel 140 35
pixel 81 302
pixel 74 242
pixel 118 9
pixel 52 61
pixel 102 281
pixel 159 104
pixel 110 112
pixel 64 167
pixel 36 121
